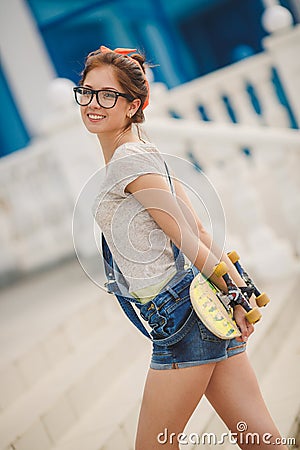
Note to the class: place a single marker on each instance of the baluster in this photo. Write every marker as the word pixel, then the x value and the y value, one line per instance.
pixel 185 104
pixel 214 105
pixel 273 113
pixel 241 103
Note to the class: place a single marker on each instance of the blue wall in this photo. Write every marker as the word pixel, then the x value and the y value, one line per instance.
pixel 185 38
pixel 223 34
pixel 13 133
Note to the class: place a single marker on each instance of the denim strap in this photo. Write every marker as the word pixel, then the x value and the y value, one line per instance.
pixel 178 255
pixel 132 315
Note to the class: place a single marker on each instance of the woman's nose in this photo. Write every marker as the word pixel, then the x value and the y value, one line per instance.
pixel 94 103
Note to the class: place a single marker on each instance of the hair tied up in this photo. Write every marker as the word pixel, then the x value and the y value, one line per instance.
pixel 126 52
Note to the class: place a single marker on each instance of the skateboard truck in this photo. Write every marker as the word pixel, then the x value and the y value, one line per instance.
pixel 261 298
pixel 237 296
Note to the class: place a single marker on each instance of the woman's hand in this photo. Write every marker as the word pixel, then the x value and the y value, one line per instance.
pixel 243 324
pixel 252 301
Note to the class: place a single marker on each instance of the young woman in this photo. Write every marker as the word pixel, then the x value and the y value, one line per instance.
pixel 142 220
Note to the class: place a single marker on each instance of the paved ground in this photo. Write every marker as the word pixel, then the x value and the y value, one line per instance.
pixel 30 308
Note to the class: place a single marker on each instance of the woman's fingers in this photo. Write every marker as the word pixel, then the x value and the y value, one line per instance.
pixel 248 330
pixel 243 324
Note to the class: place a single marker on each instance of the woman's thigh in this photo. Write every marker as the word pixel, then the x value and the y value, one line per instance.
pixel 170 397
pixel 234 393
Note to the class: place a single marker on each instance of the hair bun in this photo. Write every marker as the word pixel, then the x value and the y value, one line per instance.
pixel 140 59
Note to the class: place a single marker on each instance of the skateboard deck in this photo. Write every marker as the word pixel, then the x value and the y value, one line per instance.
pixel 208 305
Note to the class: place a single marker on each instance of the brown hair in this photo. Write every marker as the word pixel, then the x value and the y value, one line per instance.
pixel 130 72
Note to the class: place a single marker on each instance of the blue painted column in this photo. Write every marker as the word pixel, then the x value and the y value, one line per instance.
pixel 164 44
pixel 13 133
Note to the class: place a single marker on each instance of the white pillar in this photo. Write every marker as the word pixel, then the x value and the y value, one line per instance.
pixel 284 49
pixel 25 61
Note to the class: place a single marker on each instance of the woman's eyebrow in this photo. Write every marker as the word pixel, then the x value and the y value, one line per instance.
pixel 103 88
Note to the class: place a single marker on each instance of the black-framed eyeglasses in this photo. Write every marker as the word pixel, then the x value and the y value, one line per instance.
pixel 106 98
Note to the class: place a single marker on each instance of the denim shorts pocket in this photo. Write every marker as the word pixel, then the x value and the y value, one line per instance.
pixel 172 309
pixel 206 334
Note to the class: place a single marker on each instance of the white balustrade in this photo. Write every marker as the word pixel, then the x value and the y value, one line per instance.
pixel 36 208
pixel 259 193
pixel 210 89
pixel 233 81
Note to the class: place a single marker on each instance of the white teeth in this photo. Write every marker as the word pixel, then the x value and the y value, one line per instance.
pixel 96 116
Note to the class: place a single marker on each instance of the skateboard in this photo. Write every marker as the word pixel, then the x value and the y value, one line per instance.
pixel 215 308
pixel 261 298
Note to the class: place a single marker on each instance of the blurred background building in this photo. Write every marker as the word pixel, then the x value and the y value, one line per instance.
pixel 184 40
pixel 225 96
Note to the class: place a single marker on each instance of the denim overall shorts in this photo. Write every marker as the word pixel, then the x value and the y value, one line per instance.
pixel 179 338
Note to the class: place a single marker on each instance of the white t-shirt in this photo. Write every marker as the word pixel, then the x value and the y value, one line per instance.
pixel 141 249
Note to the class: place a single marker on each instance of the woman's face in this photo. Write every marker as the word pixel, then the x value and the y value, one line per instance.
pixel 96 118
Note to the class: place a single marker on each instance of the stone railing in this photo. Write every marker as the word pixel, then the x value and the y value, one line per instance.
pixel 243 92
pixel 38 190
pixel 261 90
pixel 256 174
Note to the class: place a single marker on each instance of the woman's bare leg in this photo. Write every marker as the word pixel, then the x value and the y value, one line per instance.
pixel 170 397
pixel 234 393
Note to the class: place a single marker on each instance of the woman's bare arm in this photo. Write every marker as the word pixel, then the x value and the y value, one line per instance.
pixel 153 192
pixel 194 220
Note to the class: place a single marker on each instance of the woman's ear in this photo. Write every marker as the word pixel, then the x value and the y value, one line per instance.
pixel 133 107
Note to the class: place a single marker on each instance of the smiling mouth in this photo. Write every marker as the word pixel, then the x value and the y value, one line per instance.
pixel 96 116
